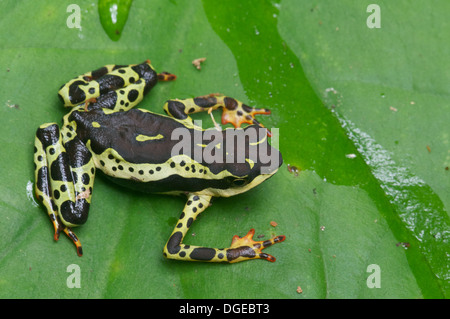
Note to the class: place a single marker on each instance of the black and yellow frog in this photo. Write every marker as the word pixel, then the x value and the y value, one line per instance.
pixel 136 148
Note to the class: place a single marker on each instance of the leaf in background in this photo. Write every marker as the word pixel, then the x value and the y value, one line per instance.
pixel 367 76
pixel 414 212
pixel 113 16
pixel 338 213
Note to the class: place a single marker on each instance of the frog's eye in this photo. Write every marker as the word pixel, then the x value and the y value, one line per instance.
pixel 239 182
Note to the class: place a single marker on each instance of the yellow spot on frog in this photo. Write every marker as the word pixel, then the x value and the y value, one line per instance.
pixel 143 138
pixel 95 124
pixel 204 145
pixel 250 162
pixel 259 142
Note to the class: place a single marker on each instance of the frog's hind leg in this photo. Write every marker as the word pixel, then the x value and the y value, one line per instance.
pixel 175 249
pixel 64 179
pixel 109 78
pixel 233 111
pixel 240 249
pixel 42 188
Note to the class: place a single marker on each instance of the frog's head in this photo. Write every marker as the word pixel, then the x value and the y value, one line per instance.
pixel 255 160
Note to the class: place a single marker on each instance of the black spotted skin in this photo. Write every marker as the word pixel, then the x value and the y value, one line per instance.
pixel 134 147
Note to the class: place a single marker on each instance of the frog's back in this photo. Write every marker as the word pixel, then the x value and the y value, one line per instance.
pixel 141 150
pixel 135 148
pixel 136 136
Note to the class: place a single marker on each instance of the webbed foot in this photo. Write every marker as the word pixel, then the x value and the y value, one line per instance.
pixel 243 248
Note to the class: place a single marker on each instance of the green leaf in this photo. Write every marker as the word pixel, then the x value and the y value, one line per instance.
pixel 355 107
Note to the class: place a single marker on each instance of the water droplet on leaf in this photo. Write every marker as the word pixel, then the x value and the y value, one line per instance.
pixel 113 16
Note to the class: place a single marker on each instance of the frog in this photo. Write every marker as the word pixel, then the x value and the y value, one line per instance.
pixel 134 148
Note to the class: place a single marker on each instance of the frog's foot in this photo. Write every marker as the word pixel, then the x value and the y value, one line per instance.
pixel 56 225
pixel 60 227
pixel 233 111
pixel 166 76
pixel 238 113
pixel 75 240
pixel 244 248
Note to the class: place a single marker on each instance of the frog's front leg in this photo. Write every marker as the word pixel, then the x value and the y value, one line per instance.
pixel 64 176
pixel 233 111
pixel 241 248
pixel 116 87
